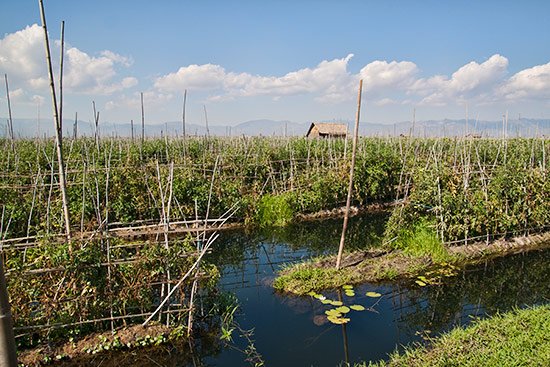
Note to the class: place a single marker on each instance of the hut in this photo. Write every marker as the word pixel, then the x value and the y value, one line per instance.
pixel 327 130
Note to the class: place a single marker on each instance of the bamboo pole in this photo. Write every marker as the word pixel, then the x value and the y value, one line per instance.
pixel 10 121
pixel 75 126
pixel 206 121
pixel 350 187
pixel 142 120
pixel 8 355
pixel 61 76
pixel 183 113
pixel 58 127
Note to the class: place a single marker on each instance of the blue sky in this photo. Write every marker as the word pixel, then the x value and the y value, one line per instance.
pixel 283 60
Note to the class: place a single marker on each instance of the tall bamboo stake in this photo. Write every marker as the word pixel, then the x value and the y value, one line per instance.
pixel 10 121
pixel 61 76
pixel 183 113
pixel 142 121
pixel 350 187
pixel 58 127
pixel 8 355
pixel 206 121
pixel 96 126
pixel 75 125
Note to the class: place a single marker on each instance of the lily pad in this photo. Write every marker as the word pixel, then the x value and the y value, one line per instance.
pixel 373 294
pixel 343 309
pixel 333 312
pixel 420 283
pixel 357 307
pixel 350 293
pixel 320 297
pixel 336 303
pixel 326 301
pixel 347 286
pixel 338 320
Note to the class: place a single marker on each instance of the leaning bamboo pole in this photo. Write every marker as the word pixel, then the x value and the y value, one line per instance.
pixel 58 127
pixel 10 121
pixel 350 187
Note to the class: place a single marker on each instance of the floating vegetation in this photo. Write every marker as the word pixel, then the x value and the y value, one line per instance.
pixel 343 309
pixel 435 277
pixel 373 294
pixel 335 315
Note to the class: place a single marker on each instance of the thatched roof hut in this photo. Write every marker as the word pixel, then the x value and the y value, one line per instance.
pixel 327 130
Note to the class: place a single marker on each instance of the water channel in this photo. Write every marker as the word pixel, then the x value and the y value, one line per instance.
pixel 287 330
pixel 292 331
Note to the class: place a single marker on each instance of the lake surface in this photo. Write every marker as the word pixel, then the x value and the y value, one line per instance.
pixel 292 331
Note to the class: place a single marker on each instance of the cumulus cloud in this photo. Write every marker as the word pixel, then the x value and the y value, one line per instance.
pixel 328 79
pixel 383 75
pixel 22 58
pixel 532 83
pixel 471 81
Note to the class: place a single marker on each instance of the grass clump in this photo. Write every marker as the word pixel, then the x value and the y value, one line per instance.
pixel 274 210
pixel 305 277
pixel 517 338
pixel 421 240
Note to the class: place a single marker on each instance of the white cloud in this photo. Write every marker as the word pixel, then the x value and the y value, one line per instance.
pixel 472 81
pixel 198 77
pixel 22 58
pixel 328 79
pixel 383 75
pixel 532 83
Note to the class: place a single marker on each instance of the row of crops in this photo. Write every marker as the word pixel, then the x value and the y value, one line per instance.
pixel 465 187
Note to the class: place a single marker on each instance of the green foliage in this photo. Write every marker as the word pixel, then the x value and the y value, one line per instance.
pixel 421 240
pixel 518 338
pixel 274 210
pixel 49 283
pixel 304 278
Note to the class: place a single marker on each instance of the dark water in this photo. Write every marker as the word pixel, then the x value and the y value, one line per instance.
pixel 291 331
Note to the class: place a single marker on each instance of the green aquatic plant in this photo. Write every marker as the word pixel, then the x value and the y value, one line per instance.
pixel 335 315
pixel 373 294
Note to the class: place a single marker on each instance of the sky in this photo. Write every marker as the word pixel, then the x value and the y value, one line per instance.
pixel 296 60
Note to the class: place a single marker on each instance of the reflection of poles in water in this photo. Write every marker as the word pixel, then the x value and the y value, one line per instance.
pixel 344 333
pixel 267 257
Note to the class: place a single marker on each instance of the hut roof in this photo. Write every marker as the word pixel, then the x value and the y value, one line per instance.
pixel 331 129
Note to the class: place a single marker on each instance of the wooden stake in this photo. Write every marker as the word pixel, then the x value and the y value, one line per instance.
pixel 206 121
pixel 350 187
pixel 58 135
pixel 61 76
pixel 183 113
pixel 8 355
pixel 10 121
pixel 142 120
pixel 75 126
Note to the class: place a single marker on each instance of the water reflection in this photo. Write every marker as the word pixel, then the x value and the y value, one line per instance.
pixel 292 331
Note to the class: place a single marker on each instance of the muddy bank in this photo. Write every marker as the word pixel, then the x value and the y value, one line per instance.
pixel 383 265
pixel 129 338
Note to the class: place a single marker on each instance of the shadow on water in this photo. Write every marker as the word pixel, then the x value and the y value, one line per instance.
pixel 293 331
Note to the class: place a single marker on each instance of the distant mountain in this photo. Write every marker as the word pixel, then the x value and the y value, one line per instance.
pixel 526 127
